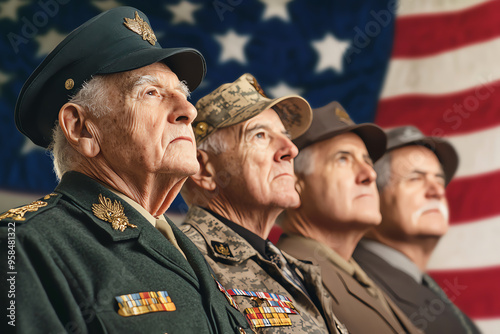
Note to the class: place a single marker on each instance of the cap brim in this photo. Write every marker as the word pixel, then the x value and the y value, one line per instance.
pixel 188 64
pixel 293 110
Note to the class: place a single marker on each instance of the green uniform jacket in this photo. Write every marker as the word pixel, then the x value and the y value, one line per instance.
pixel 239 266
pixel 70 265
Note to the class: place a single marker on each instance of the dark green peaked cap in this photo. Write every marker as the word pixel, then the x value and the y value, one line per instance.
pixel 117 40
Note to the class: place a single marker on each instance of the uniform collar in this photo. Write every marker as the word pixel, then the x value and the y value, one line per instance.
pixel 394 257
pixel 222 241
pixel 84 192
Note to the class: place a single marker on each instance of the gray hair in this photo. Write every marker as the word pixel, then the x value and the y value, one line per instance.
pixel 93 97
pixel 383 169
pixel 215 143
pixel 304 163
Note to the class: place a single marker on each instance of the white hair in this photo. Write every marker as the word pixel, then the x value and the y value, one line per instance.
pixel 383 169
pixel 304 162
pixel 215 143
pixel 93 97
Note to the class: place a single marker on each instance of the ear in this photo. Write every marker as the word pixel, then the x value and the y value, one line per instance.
pixel 205 178
pixel 78 130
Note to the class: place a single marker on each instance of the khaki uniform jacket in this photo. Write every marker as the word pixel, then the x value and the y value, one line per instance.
pixel 354 306
pixel 71 265
pixel 240 266
pixel 422 306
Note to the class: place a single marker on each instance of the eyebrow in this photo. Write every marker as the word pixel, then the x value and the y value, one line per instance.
pixel 418 171
pixel 257 127
pixel 152 80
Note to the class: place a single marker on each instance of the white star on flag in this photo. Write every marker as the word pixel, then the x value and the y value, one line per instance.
pixel 183 12
pixel 331 53
pixel 276 8
pixel 282 89
pixel 9 9
pixel 48 41
pixel 233 46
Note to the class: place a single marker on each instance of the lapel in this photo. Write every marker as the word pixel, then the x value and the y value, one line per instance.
pixel 222 242
pixel 398 284
pixel 333 277
pixel 83 192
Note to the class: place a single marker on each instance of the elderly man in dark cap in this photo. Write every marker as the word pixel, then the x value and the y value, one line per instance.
pixel 245 181
pixel 412 177
pixel 97 255
pixel 336 183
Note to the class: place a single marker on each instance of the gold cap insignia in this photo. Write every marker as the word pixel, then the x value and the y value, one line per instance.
pixel 258 88
pixel 344 117
pixel 222 248
pixel 69 84
pixel 141 27
pixel 201 129
pixel 111 213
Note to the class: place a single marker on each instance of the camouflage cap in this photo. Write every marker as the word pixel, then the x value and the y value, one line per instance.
pixel 236 102
pixel 332 120
pixel 410 135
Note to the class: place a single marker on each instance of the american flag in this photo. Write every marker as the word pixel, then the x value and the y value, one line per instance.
pixel 424 62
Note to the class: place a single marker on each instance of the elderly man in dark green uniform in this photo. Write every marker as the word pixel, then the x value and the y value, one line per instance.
pixel 97 255
pixel 245 181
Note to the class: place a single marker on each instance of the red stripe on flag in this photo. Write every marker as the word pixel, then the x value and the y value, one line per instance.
pixel 443 115
pixel 424 35
pixel 475 291
pixel 474 198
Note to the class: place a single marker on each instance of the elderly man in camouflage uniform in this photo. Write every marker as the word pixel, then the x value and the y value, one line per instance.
pixel 245 181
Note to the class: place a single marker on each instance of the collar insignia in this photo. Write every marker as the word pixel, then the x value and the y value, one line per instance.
pixel 222 248
pixel 111 213
pixel 141 27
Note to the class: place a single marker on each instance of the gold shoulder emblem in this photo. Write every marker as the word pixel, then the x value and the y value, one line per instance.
pixel 141 27
pixel 18 213
pixel 111 212
pixel 221 248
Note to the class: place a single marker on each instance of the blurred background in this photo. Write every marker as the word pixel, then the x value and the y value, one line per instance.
pixel 430 63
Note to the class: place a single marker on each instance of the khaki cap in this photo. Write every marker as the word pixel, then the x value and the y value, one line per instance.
pixel 410 135
pixel 236 102
pixel 332 120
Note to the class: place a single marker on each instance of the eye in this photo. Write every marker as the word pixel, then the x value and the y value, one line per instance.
pixel 260 135
pixel 152 92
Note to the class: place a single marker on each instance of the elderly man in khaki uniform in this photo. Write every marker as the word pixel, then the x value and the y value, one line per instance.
pixel 245 181
pixel 340 202
pixel 412 177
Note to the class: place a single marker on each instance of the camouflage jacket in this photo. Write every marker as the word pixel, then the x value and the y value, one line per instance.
pixel 239 266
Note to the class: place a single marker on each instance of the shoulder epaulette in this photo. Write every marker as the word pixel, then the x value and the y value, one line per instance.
pixel 25 212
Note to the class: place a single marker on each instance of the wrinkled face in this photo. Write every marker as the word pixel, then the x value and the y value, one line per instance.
pixel 341 189
pixel 258 164
pixel 149 128
pixel 413 204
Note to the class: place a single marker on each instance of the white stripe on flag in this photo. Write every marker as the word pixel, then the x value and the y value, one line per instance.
pixel 416 7
pixel 468 245
pixel 478 152
pixel 448 72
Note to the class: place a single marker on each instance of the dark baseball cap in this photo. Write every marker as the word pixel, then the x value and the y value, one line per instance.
pixel 117 40
pixel 332 120
pixel 410 135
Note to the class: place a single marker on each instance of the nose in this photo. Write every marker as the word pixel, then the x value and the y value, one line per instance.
pixel 286 151
pixel 435 189
pixel 182 111
pixel 366 174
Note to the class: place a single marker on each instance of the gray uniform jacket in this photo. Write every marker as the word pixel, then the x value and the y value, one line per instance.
pixel 70 266
pixel 426 309
pixel 239 266
pixel 354 306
